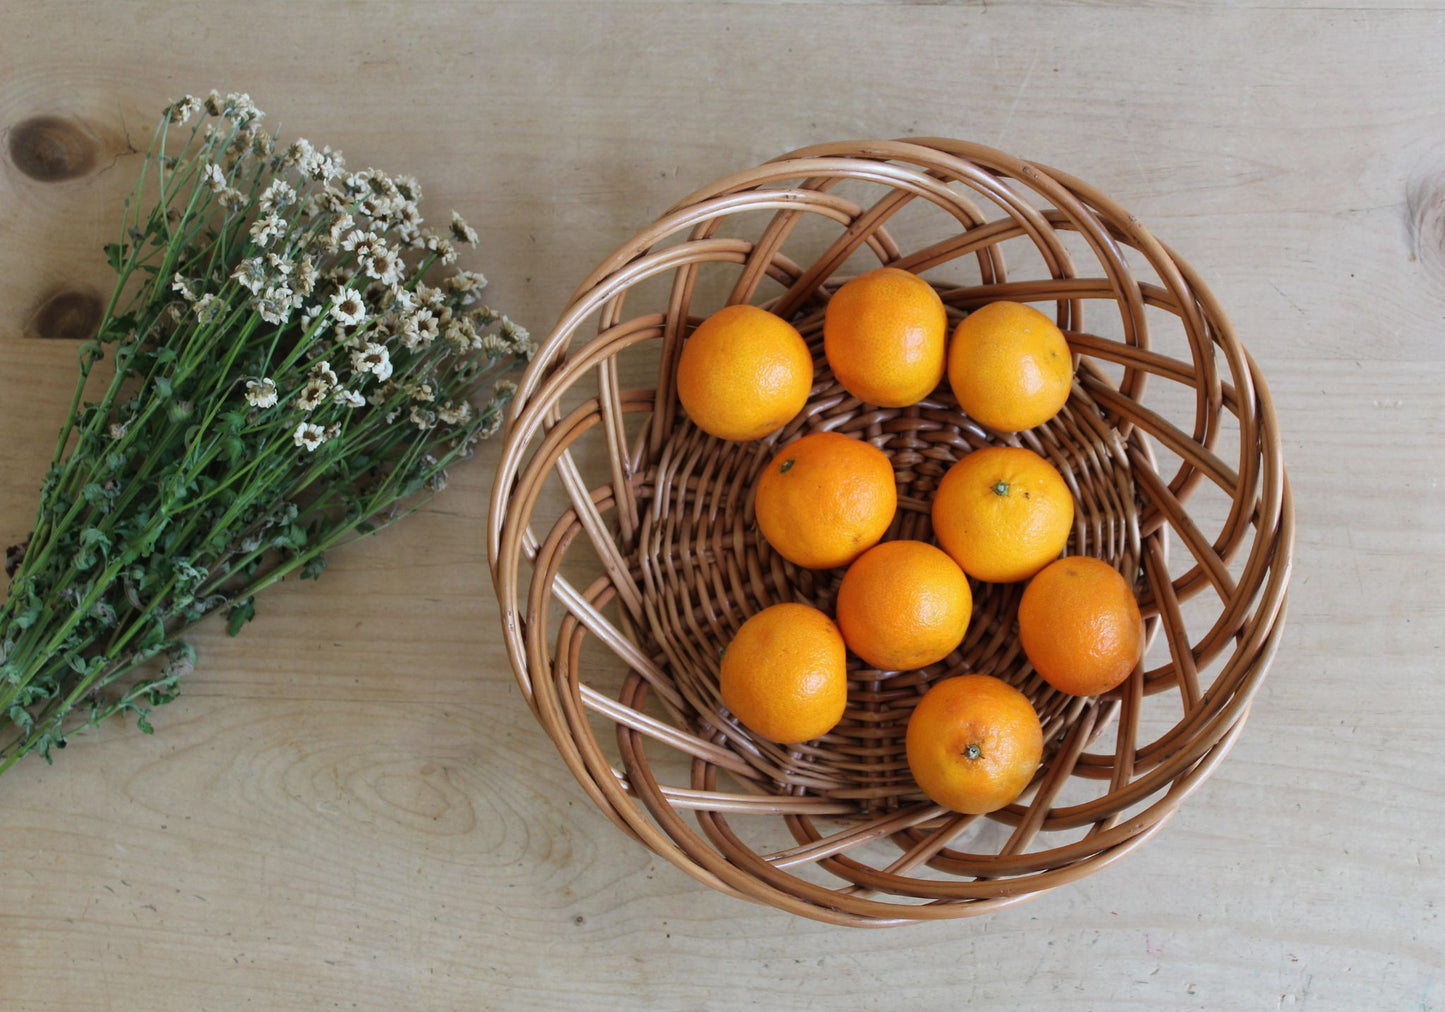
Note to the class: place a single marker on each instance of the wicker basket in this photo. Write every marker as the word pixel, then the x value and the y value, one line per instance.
pixel 625 554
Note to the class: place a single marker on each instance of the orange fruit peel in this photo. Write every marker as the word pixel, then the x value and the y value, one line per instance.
pixel 974 743
pixel 884 335
pixel 784 674
pixel 743 373
pixel 1080 627
pixel 903 605
pixel 1009 366
pixel 1003 513
pixel 825 499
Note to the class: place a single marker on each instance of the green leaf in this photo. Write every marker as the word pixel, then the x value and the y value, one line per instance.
pixel 30 614
pixel 239 614
pixel 315 567
pixel 84 666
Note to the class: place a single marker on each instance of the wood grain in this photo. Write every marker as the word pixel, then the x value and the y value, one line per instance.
pixel 350 805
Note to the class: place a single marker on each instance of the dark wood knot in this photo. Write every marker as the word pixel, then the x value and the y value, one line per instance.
pixel 1425 208
pixel 51 149
pixel 69 314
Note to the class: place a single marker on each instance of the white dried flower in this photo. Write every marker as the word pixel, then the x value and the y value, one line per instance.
pixel 261 142
pixel 514 332
pixel 433 298
pixel 456 413
pixel 494 346
pixel 348 308
pixel 400 300
pixel 419 330
pixel 349 398
pixel 376 206
pixel 312 394
pixel 260 393
pixel 279 264
pixel 384 266
pixel 462 335
pixel 519 339
pixel 310 162
pixel 357 182
pixel 308 435
pixel 463 282
pixel 324 165
pixel 422 418
pixel 266 228
pixel 251 273
pixel 306 276
pixel 504 390
pixel 214 177
pixel 117 430
pixel 238 108
pixel 299 151
pixel 408 187
pixel 462 231
pixel 208 307
pixel 420 392
pixel 276 304
pixel 183 285
pixel 373 358
pixel 438 480
pixel 322 371
pixel 183 110
pixel 364 244
pixel 232 199
pixel 278 195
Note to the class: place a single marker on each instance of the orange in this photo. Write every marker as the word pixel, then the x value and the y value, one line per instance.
pixel 784 675
pixel 903 605
pixel 884 334
pixel 1080 625
pixel 743 373
pixel 1003 513
pixel 825 499
pixel 1009 366
pixel 974 743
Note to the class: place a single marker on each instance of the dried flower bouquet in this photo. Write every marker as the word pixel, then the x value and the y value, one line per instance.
pixel 285 381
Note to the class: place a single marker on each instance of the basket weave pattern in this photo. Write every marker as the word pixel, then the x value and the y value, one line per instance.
pixel 649 548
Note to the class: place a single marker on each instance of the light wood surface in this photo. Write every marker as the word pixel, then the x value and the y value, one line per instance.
pixel 350 806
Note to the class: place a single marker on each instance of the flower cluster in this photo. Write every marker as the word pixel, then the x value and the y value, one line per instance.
pixel 289 376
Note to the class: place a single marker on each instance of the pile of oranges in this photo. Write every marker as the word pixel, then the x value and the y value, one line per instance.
pixel 1001 514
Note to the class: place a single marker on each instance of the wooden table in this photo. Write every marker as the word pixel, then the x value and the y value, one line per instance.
pixel 350 806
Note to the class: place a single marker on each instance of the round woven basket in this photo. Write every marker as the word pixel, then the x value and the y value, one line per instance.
pixel 625 553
